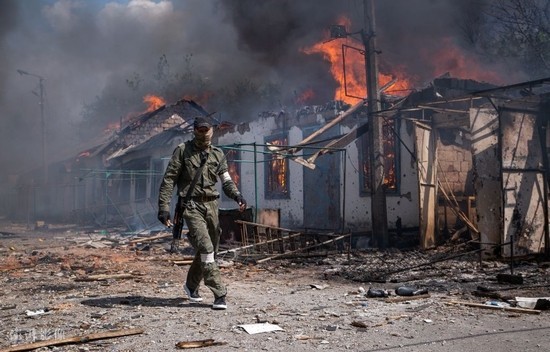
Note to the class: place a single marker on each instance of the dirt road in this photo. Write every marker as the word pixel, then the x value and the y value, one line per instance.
pixel 66 282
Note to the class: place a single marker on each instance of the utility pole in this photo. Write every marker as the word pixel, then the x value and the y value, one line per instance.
pixel 43 123
pixel 375 133
pixel 42 120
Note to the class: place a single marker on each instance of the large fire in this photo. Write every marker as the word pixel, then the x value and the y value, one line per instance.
pixel 347 59
pixel 153 102
pixel 450 58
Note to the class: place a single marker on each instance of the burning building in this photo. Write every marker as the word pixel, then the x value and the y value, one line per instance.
pixel 433 168
pixel 458 154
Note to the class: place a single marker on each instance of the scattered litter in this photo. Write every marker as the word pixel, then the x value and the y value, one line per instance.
pixel 376 292
pixel 105 277
pixel 359 324
pixel 76 339
pixel 98 315
pixel 510 279
pixel 258 328
pixel 319 287
pixel 199 343
pixel 224 263
pixel 406 298
pixel 8 306
pixel 410 291
pixel 487 306
pixel 540 303
pixel 33 313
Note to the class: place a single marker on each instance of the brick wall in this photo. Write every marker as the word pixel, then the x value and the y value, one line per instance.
pixel 455 165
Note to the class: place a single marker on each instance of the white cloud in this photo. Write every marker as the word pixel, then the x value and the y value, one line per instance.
pixel 144 12
pixel 61 15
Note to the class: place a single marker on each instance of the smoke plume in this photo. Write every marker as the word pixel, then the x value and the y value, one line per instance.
pixel 86 51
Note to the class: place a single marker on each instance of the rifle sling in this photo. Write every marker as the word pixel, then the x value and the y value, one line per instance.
pixel 176 231
pixel 187 197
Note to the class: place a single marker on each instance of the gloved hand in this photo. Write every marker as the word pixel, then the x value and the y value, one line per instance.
pixel 241 201
pixel 164 217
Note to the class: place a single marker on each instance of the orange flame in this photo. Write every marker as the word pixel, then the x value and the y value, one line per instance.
pixel 306 96
pixel 154 102
pixel 454 61
pixel 277 178
pixel 352 85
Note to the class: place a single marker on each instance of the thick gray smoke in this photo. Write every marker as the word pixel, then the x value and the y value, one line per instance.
pixel 90 49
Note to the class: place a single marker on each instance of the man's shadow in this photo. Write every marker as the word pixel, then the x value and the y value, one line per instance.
pixel 112 302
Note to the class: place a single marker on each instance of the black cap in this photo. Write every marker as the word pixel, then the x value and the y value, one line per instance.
pixel 201 121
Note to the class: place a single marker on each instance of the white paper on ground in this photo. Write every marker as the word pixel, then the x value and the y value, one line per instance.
pixel 261 327
pixel 529 302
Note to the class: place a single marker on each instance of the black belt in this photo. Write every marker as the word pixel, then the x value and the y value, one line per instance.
pixel 203 199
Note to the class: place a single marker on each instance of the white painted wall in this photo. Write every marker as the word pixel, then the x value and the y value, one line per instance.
pixel 253 175
pixel 357 207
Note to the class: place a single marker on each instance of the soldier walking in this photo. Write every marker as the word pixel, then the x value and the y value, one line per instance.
pixel 194 169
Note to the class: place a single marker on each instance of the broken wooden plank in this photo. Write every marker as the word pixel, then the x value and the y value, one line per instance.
pixel 291 235
pixel 304 142
pixel 153 238
pixel 302 249
pixel 104 277
pixel 406 298
pixel 74 339
pixel 182 262
pixel 184 257
pixel 334 144
pixel 199 343
pixel 456 210
pixel 485 306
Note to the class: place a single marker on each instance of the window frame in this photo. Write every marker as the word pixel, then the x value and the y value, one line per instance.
pixel 364 155
pixel 268 168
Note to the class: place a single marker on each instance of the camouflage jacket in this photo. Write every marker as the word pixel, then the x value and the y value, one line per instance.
pixel 181 170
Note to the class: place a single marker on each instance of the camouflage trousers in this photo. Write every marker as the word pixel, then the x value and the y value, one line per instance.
pixel 204 235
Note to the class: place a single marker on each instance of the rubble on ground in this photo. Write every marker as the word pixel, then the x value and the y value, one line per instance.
pixel 64 283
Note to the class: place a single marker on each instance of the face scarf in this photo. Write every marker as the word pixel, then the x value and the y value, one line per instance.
pixel 203 139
